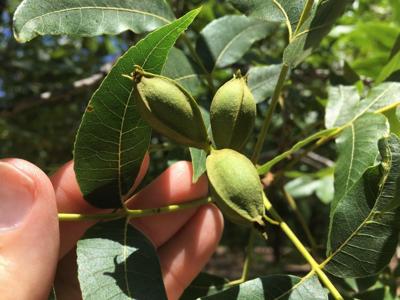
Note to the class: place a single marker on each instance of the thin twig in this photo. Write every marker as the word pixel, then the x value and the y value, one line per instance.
pixel 134 213
pixel 58 96
pixel 268 118
pixel 293 205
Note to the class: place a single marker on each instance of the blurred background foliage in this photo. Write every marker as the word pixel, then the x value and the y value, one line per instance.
pixel 46 84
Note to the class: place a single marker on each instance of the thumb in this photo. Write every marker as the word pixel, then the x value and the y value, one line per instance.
pixel 29 238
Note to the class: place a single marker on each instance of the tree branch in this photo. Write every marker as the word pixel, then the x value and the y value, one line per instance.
pixel 54 97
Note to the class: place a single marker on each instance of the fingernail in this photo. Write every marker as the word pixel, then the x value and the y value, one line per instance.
pixel 17 192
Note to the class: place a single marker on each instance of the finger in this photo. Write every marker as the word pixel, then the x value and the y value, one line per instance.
pixel 173 186
pixel 185 255
pixel 29 237
pixel 70 200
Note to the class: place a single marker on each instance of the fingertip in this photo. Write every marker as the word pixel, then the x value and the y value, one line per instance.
pixel 30 243
pixel 44 203
pixel 183 172
pixel 142 171
pixel 174 185
pixel 68 194
pixel 185 255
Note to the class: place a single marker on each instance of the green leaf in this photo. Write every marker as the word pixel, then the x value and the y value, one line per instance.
pixel 225 40
pixel 112 139
pixel 199 156
pixel 344 106
pixel 204 285
pixel 198 162
pixel 307 185
pixel 374 40
pixel 380 97
pixel 365 226
pixel 358 149
pixel 262 81
pixel 391 67
pixel 88 18
pixel 314 29
pixel 272 11
pixel 395 47
pixel 393 116
pixel 183 70
pixel 275 287
pixel 342 101
pixel 52 295
pixel 115 260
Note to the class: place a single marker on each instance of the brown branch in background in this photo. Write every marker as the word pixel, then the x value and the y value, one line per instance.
pixel 319 159
pixel 58 96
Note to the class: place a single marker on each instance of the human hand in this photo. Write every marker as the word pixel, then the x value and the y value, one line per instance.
pixel 35 248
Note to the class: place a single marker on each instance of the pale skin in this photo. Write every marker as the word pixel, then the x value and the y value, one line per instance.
pixel 40 250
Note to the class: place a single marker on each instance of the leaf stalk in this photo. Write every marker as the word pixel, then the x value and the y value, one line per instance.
pixel 268 118
pixel 134 213
pixel 303 251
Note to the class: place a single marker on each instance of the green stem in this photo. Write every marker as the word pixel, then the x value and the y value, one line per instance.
pixel 86 217
pixel 314 265
pixel 302 249
pixel 247 261
pixel 304 15
pixel 289 166
pixel 249 255
pixel 320 136
pixel 200 63
pixel 268 118
pixel 134 213
pixel 278 88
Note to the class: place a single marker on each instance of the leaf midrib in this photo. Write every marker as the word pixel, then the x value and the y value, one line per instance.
pixel 301 282
pixel 96 7
pixel 353 142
